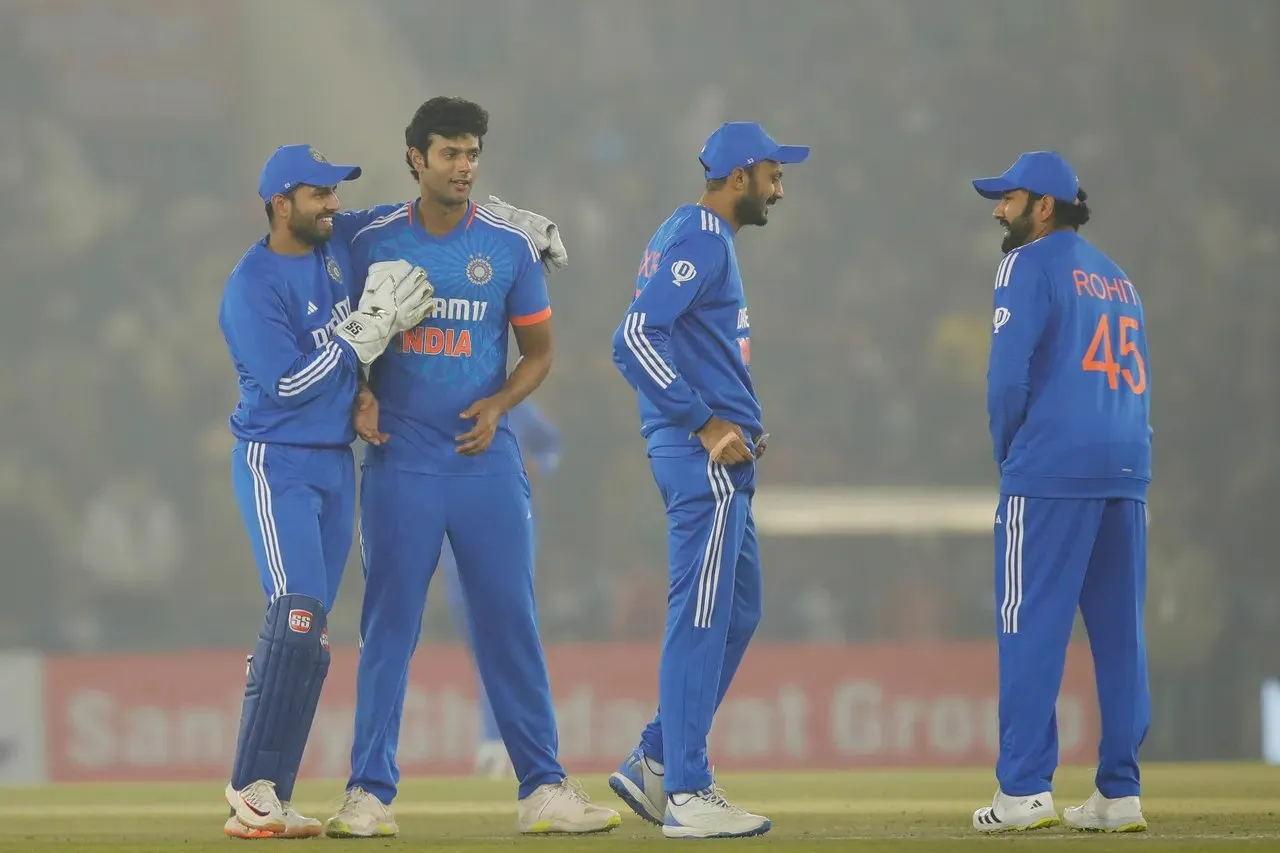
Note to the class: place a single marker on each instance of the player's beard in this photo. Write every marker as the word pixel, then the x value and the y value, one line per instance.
pixel 1019 231
pixel 752 208
pixel 310 231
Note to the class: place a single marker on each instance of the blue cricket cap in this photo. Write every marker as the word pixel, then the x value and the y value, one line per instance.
pixel 292 165
pixel 1040 172
pixel 744 143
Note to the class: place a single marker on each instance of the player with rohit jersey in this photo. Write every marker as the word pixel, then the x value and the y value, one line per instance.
pixel 450 465
pixel 685 347
pixel 297 347
pixel 1069 404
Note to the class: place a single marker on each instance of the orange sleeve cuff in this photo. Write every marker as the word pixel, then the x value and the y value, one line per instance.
pixel 532 319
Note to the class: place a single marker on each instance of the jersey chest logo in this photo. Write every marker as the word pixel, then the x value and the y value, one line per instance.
pixel 340 312
pixel 479 270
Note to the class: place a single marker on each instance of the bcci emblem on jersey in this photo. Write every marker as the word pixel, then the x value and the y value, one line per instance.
pixel 479 270
pixel 335 271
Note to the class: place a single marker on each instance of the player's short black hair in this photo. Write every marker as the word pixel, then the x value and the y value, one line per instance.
pixel 1072 215
pixel 447 117
pixel 271 214
pixel 1067 214
pixel 720 183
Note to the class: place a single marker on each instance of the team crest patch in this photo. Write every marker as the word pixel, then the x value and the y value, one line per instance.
pixel 479 270
pixel 317 156
pixel 335 271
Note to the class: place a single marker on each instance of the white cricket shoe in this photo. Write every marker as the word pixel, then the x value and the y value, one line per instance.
pixel 562 808
pixel 257 807
pixel 638 783
pixel 707 814
pixel 492 761
pixel 299 825
pixel 233 828
pixel 1016 814
pixel 295 826
pixel 362 815
pixel 1100 814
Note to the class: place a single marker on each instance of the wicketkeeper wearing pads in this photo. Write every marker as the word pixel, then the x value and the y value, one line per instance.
pixel 297 349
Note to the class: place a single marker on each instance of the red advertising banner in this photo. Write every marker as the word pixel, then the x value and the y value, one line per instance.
pixel 174 716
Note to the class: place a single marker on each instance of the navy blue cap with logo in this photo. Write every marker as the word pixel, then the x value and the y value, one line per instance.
pixel 742 144
pixel 293 165
pixel 1040 172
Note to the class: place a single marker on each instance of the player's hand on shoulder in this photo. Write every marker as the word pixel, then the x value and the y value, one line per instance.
pixel 725 442
pixel 545 233
pixel 364 417
pixel 487 413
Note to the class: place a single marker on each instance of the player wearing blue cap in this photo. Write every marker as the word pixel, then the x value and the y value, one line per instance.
pixel 297 346
pixel 1069 401
pixel 685 347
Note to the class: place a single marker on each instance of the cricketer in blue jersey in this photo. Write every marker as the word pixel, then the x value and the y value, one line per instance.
pixel 539 442
pixel 451 466
pixel 1069 401
pixel 297 346
pixel 685 347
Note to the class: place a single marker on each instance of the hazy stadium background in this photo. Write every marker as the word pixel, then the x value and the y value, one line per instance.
pixel 131 135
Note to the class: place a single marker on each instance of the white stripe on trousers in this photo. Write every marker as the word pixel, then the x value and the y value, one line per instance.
pixel 709 572
pixel 364 566
pixel 1014 511
pixel 256 456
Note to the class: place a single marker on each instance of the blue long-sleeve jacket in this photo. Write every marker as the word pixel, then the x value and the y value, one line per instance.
pixel 1068 378
pixel 297 381
pixel 685 342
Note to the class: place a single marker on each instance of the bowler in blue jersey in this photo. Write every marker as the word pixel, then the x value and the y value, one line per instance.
pixel 450 466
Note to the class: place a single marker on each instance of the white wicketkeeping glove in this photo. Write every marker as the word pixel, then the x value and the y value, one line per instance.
pixel 545 233
pixel 397 296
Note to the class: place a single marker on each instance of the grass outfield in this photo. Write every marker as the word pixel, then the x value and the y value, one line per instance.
pixel 1189 807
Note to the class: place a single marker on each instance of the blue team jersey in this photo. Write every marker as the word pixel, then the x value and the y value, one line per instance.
pixel 488 276
pixel 685 343
pixel 278 312
pixel 1069 381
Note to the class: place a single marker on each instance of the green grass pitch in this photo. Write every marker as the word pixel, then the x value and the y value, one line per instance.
pixel 1188 806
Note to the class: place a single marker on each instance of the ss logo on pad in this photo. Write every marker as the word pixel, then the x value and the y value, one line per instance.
pixel 300 621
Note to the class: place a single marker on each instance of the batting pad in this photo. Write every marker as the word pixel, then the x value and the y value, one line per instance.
pixel 300 731
pixel 285 673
